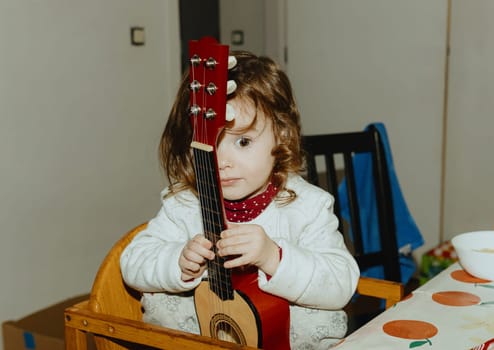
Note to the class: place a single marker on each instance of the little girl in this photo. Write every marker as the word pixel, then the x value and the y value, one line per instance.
pixel 277 221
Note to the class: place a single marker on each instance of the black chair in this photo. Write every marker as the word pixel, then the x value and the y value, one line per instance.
pixel 337 152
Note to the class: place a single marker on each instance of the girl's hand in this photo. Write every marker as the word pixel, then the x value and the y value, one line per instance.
pixel 249 245
pixel 192 261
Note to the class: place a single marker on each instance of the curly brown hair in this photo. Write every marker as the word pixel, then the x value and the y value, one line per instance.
pixel 259 80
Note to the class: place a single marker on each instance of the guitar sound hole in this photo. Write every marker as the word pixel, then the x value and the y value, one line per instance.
pixel 223 327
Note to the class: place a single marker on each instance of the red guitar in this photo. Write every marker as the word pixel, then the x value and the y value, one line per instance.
pixel 229 305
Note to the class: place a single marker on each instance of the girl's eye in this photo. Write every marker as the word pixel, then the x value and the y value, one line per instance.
pixel 243 141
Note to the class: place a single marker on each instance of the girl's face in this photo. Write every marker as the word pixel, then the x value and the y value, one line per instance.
pixel 244 155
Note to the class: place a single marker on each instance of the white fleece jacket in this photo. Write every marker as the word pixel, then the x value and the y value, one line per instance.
pixel 316 274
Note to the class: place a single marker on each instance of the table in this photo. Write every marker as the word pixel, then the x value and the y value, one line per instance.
pixel 453 310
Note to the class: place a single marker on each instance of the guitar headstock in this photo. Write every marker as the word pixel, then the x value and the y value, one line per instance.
pixel 208 82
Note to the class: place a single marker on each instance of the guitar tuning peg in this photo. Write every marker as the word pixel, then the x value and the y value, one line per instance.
pixel 232 62
pixel 230 112
pixel 231 86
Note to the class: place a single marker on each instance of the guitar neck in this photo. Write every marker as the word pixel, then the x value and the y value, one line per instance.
pixel 213 218
pixel 208 80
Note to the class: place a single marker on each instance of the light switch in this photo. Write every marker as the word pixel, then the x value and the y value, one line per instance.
pixel 137 37
pixel 237 37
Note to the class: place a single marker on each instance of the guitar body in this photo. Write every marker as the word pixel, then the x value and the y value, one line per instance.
pixel 229 305
pixel 253 317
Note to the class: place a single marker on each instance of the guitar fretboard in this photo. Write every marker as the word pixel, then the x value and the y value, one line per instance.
pixel 212 219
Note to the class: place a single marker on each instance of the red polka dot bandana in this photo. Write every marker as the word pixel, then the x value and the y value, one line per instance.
pixel 248 209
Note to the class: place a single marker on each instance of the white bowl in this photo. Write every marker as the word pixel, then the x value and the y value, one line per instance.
pixel 475 251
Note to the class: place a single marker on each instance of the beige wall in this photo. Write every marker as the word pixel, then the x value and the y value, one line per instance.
pixel 263 23
pixel 81 114
pixel 354 62
pixel 248 17
pixel 470 161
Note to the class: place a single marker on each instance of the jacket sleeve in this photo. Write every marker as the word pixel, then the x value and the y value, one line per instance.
pixel 316 269
pixel 150 262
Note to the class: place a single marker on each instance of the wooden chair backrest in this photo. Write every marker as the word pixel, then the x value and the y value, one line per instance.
pixel 110 295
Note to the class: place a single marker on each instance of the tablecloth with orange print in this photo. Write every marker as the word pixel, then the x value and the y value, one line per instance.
pixel 451 311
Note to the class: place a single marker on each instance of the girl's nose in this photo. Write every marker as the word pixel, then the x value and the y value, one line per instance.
pixel 224 164
pixel 223 158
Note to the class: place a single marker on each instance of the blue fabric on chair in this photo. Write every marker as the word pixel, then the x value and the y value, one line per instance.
pixel 408 234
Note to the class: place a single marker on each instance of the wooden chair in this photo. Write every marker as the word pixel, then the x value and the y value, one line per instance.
pixel 338 151
pixel 113 313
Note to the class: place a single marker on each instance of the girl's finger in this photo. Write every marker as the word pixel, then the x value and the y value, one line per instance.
pixel 236 262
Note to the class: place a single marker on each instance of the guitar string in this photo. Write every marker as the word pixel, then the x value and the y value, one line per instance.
pixel 202 162
pixel 207 219
pixel 217 213
pixel 215 279
pixel 198 155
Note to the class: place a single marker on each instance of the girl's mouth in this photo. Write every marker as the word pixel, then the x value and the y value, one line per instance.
pixel 228 181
